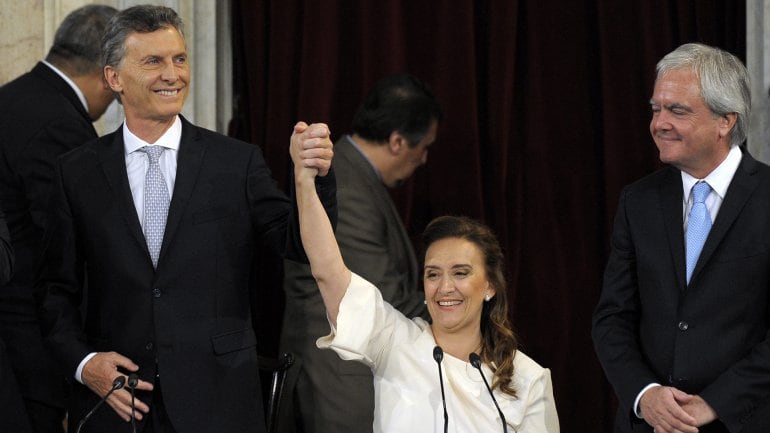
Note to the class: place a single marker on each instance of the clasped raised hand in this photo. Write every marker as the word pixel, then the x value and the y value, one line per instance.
pixel 311 148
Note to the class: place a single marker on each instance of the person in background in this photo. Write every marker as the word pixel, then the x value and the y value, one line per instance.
pixel 465 294
pixel 391 134
pixel 165 217
pixel 43 114
pixel 681 327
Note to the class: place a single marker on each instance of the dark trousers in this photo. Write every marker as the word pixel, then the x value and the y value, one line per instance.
pixel 158 421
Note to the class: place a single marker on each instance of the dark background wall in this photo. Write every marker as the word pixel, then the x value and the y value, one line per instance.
pixel 546 119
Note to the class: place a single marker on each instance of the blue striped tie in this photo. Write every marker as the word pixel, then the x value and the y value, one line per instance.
pixel 698 225
pixel 156 201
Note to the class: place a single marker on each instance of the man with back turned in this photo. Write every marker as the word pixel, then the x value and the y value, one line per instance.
pixel 43 114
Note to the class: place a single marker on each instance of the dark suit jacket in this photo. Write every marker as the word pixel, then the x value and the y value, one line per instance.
pixel 6 252
pixel 14 418
pixel 41 118
pixel 709 338
pixel 189 322
pixel 374 244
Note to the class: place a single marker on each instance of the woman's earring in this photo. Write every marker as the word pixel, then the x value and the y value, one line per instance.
pixel 425 301
pixel 487 297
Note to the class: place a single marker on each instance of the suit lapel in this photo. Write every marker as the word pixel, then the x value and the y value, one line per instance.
pixel 189 160
pixel 113 161
pixel 671 207
pixel 738 193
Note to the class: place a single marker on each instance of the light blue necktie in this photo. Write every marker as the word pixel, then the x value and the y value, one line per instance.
pixel 698 225
pixel 156 201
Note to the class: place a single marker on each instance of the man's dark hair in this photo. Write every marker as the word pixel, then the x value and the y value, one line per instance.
pixel 77 43
pixel 397 103
pixel 137 19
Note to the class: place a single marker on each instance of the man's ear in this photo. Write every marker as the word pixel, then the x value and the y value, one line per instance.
pixel 113 80
pixel 726 123
pixel 396 143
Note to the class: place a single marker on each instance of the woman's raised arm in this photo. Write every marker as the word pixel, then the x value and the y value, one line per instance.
pixel 326 264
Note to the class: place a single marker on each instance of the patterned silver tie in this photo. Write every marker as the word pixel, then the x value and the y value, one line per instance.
pixel 698 225
pixel 156 201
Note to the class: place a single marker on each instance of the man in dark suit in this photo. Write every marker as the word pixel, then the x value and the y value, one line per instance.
pixel 165 217
pixel 44 113
pixel 391 133
pixel 681 327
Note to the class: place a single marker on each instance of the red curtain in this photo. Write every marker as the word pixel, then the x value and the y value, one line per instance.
pixel 545 119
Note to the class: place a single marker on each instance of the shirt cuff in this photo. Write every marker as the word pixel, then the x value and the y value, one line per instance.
pixel 79 370
pixel 637 410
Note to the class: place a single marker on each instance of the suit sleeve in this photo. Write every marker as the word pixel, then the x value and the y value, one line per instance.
pixel 743 387
pixel 58 287
pixel 275 215
pixel 616 317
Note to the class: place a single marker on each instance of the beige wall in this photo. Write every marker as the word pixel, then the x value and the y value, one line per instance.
pixel 21 38
pixel 27 28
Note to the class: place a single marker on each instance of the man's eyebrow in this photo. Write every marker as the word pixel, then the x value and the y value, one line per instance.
pixel 678 106
pixel 673 106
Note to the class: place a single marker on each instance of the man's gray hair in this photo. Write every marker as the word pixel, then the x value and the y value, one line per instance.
pixel 724 82
pixel 137 19
pixel 77 42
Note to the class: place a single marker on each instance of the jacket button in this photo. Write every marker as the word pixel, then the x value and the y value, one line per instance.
pixel 683 326
pixel 148 346
pixel 156 293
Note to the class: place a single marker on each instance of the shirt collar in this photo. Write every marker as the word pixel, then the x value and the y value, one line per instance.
pixel 70 82
pixel 719 179
pixel 358 148
pixel 170 139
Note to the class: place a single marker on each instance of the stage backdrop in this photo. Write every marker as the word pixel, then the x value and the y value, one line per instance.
pixel 546 113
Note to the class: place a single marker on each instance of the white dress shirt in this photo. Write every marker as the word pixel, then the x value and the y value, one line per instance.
pixel 71 83
pixel 719 180
pixel 407 391
pixel 137 164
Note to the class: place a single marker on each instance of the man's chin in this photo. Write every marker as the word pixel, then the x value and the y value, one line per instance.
pixel 666 155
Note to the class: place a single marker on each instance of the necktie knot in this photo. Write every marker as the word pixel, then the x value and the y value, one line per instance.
pixel 700 191
pixel 153 152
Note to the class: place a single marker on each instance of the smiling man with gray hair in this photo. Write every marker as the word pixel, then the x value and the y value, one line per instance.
pixel 682 327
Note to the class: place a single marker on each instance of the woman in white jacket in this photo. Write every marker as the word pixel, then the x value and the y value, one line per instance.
pixel 465 294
